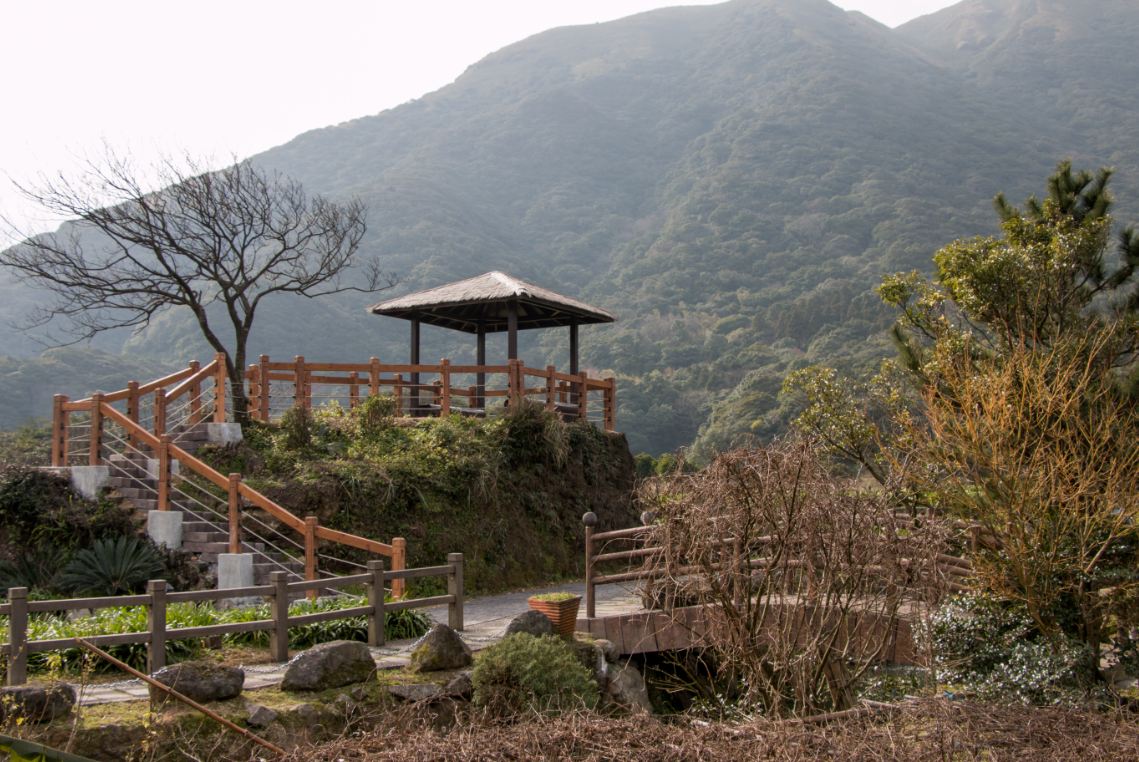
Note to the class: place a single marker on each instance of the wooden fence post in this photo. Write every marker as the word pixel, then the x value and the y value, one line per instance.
pixel 219 387
pixel 550 382
pixel 94 454
pixel 195 395
pixel 163 501
pixel 376 594
pixel 397 392
pixel 159 412
pixel 353 389
pixel 590 521
pixel 300 386
pixel 513 377
pixel 611 405
pixel 399 563
pixel 58 441
pixel 583 396
pixel 455 589
pixel 132 410
pixel 374 377
pixel 445 379
pixel 279 613
pixel 156 625
pixel 18 635
pixel 263 380
pixel 311 524
pixel 234 513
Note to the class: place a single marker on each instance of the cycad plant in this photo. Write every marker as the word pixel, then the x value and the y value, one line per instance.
pixel 116 566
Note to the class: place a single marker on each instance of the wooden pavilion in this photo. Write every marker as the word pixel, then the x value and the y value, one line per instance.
pixel 493 302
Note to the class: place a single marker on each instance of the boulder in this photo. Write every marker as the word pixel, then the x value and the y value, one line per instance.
pixel 260 716
pixel 200 680
pixel 440 649
pixel 532 623
pixel 416 692
pixel 35 703
pixel 329 665
pixel 460 686
pixel 626 686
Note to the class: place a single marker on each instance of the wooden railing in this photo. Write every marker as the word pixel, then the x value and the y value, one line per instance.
pixel 201 391
pixel 642 545
pixel 279 591
pixel 429 390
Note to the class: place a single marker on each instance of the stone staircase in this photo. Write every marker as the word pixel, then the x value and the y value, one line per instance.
pixel 134 481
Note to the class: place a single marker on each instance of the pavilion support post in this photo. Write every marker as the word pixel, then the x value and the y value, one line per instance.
pixel 480 377
pixel 573 349
pixel 512 331
pixel 414 360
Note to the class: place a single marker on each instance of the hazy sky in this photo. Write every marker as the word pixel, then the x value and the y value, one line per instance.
pixel 233 77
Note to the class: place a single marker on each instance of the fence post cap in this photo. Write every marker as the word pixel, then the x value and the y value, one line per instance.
pixel 376 564
pixel 589 519
pixel 156 585
pixel 454 557
pixel 17 592
pixel 277 576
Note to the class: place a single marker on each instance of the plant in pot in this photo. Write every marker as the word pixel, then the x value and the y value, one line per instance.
pixel 559 608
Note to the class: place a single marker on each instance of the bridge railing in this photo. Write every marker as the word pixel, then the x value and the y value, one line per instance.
pixel 640 551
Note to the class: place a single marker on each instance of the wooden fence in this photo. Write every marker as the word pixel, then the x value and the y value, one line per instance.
pixel 278 592
pixel 429 390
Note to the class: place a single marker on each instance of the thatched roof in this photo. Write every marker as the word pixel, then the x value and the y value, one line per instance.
pixel 484 302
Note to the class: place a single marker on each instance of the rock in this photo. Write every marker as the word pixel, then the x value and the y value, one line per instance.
pixel 440 649
pixel 35 703
pixel 532 623
pixel 260 716
pixel 329 665
pixel 626 686
pixel 609 649
pixel 306 715
pixel 416 692
pixel 460 686
pixel 200 680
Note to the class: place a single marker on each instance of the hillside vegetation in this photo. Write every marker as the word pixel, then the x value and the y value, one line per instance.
pixel 732 180
pixel 509 492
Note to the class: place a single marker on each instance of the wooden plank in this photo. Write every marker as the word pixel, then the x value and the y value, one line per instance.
pixel 423 571
pixel 71 604
pixel 324 616
pixel 355 541
pixel 418 603
pixel 186 596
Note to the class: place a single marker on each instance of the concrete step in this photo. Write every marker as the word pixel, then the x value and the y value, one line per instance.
pixel 219 546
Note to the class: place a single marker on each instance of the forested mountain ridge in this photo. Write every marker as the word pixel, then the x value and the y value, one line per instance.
pixel 731 180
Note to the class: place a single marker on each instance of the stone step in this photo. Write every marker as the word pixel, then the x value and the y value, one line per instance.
pixel 218 546
pixel 202 536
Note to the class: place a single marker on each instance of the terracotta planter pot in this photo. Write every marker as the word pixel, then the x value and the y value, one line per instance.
pixel 562 614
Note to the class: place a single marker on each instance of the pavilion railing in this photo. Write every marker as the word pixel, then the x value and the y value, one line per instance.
pixel 422 390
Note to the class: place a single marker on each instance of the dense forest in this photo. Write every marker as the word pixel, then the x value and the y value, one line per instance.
pixel 731 180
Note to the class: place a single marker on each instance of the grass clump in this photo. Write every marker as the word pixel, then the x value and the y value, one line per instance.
pixel 555 597
pixel 523 673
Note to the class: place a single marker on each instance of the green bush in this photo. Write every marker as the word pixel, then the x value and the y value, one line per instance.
pixel 991 647
pixel 40 508
pixel 296 423
pixel 523 673
pixel 122 619
pixel 116 566
pixel 374 415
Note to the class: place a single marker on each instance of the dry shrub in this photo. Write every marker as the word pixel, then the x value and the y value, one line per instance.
pixel 1039 449
pixel 928 730
pixel 804 576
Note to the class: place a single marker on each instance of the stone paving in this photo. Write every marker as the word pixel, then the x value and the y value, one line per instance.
pixel 485 619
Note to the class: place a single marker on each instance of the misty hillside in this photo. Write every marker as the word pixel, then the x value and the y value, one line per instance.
pixel 731 180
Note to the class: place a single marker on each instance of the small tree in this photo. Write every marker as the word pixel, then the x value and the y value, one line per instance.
pixel 230 238
pixel 803 574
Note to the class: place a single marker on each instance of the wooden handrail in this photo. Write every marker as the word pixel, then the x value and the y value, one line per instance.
pixel 188 383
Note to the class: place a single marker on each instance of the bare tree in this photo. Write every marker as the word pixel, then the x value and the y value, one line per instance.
pixel 216 243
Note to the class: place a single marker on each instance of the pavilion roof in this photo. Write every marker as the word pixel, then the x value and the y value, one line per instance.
pixel 485 301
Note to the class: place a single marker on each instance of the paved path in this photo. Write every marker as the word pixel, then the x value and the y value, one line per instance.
pixel 484 618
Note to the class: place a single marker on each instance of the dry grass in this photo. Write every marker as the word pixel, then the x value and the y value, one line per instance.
pixel 927 730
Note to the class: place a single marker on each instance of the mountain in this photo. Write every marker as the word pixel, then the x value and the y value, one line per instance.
pixel 731 180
